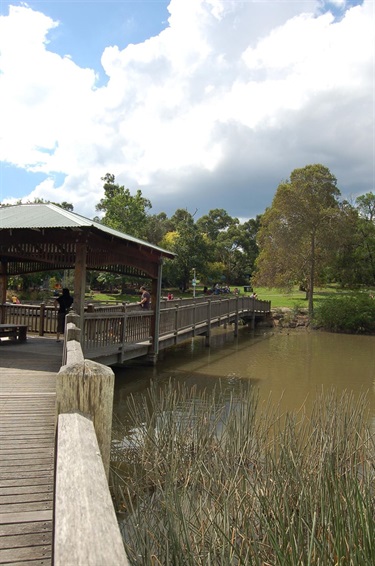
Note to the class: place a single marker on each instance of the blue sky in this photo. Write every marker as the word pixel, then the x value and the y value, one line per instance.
pixel 87 27
pixel 201 104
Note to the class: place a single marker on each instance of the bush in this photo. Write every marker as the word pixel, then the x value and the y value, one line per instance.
pixel 353 313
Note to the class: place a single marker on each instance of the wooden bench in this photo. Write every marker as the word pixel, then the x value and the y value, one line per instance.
pixel 16 331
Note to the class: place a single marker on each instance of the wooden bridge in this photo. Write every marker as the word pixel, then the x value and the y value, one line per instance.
pixel 115 334
pixel 68 522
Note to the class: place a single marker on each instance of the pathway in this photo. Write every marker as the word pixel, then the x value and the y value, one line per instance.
pixel 27 437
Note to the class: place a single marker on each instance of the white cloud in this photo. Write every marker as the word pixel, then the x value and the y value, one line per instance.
pixel 213 112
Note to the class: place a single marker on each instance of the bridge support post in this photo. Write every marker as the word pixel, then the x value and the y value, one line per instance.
pixel 252 324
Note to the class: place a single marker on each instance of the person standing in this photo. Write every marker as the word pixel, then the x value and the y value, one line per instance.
pixel 63 303
pixel 145 298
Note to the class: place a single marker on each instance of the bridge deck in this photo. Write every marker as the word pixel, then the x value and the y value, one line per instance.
pixel 27 437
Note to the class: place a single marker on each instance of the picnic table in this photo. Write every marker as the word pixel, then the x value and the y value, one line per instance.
pixel 15 331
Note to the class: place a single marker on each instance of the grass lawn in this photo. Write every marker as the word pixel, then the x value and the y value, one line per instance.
pixel 293 299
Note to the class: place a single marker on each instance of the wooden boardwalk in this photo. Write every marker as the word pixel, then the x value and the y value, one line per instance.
pixel 27 439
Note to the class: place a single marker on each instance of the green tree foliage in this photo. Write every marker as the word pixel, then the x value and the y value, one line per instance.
pixel 355 262
pixel 65 205
pixel 123 211
pixel 215 222
pixel 365 252
pixel 300 232
pixel 232 245
pixel 190 246
pixel 157 227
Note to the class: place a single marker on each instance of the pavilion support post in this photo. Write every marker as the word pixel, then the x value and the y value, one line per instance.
pixel 155 321
pixel 80 279
pixel 3 289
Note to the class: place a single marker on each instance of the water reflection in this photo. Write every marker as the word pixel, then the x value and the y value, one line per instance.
pixel 288 368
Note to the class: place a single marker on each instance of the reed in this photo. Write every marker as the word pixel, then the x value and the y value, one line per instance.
pixel 201 481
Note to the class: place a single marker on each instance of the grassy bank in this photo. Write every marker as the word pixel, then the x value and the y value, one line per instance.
pixel 203 483
pixel 294 298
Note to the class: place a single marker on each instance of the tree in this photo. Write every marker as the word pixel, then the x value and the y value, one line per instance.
pixel 300 232
pixel 123 211
pixel 215 222
pixel 157 227
pixel 191 249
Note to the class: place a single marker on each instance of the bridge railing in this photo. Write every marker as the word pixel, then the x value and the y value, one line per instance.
pixel 107 328
pixel 40 319
pixel 86 530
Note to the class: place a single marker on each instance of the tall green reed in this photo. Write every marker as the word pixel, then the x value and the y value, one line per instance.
pixel 206 481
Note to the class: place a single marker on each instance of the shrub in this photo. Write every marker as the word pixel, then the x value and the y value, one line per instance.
pixel 353 313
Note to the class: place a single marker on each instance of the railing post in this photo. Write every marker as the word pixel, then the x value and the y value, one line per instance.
pixel 253 317
pixel 123 331
pixel 236 319
pixel 208 333
pixel 176 321
pixel 88 387
pixel 42 319
pixel 194 317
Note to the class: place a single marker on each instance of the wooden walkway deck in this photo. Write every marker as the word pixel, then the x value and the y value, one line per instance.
pixel 27 439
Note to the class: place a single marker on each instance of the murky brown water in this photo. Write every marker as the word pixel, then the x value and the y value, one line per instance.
pixel 289 367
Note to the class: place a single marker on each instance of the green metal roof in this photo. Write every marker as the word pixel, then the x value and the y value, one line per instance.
pixel 39 216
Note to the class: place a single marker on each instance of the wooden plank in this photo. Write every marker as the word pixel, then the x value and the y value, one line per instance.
pixel 26 474
pixel 42 552
pixel 26 453
pixel 23 447
pixel 24 539
pixel 10 529
pixel 19 489
pixel 10 481
pixel 24 498
pixel 26 507
pixel 25 517
pixel 86 528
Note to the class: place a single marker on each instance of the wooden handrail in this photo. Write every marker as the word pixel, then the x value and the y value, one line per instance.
pixel 86 531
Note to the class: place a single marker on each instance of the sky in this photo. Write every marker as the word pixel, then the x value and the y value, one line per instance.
pixel 200 104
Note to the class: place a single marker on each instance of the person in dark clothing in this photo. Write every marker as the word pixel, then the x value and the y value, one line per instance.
pixel 63 303
pixel 145 298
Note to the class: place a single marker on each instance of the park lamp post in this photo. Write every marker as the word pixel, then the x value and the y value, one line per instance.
pixel 194 282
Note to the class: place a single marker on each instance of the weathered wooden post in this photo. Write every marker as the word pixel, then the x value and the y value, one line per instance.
pixel 87 387
pixel 42 316
pixel 176 319
pixel 236 319
pixel 3 289
pixel 209 314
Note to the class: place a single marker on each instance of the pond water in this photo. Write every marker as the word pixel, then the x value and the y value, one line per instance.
pixel 289 368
